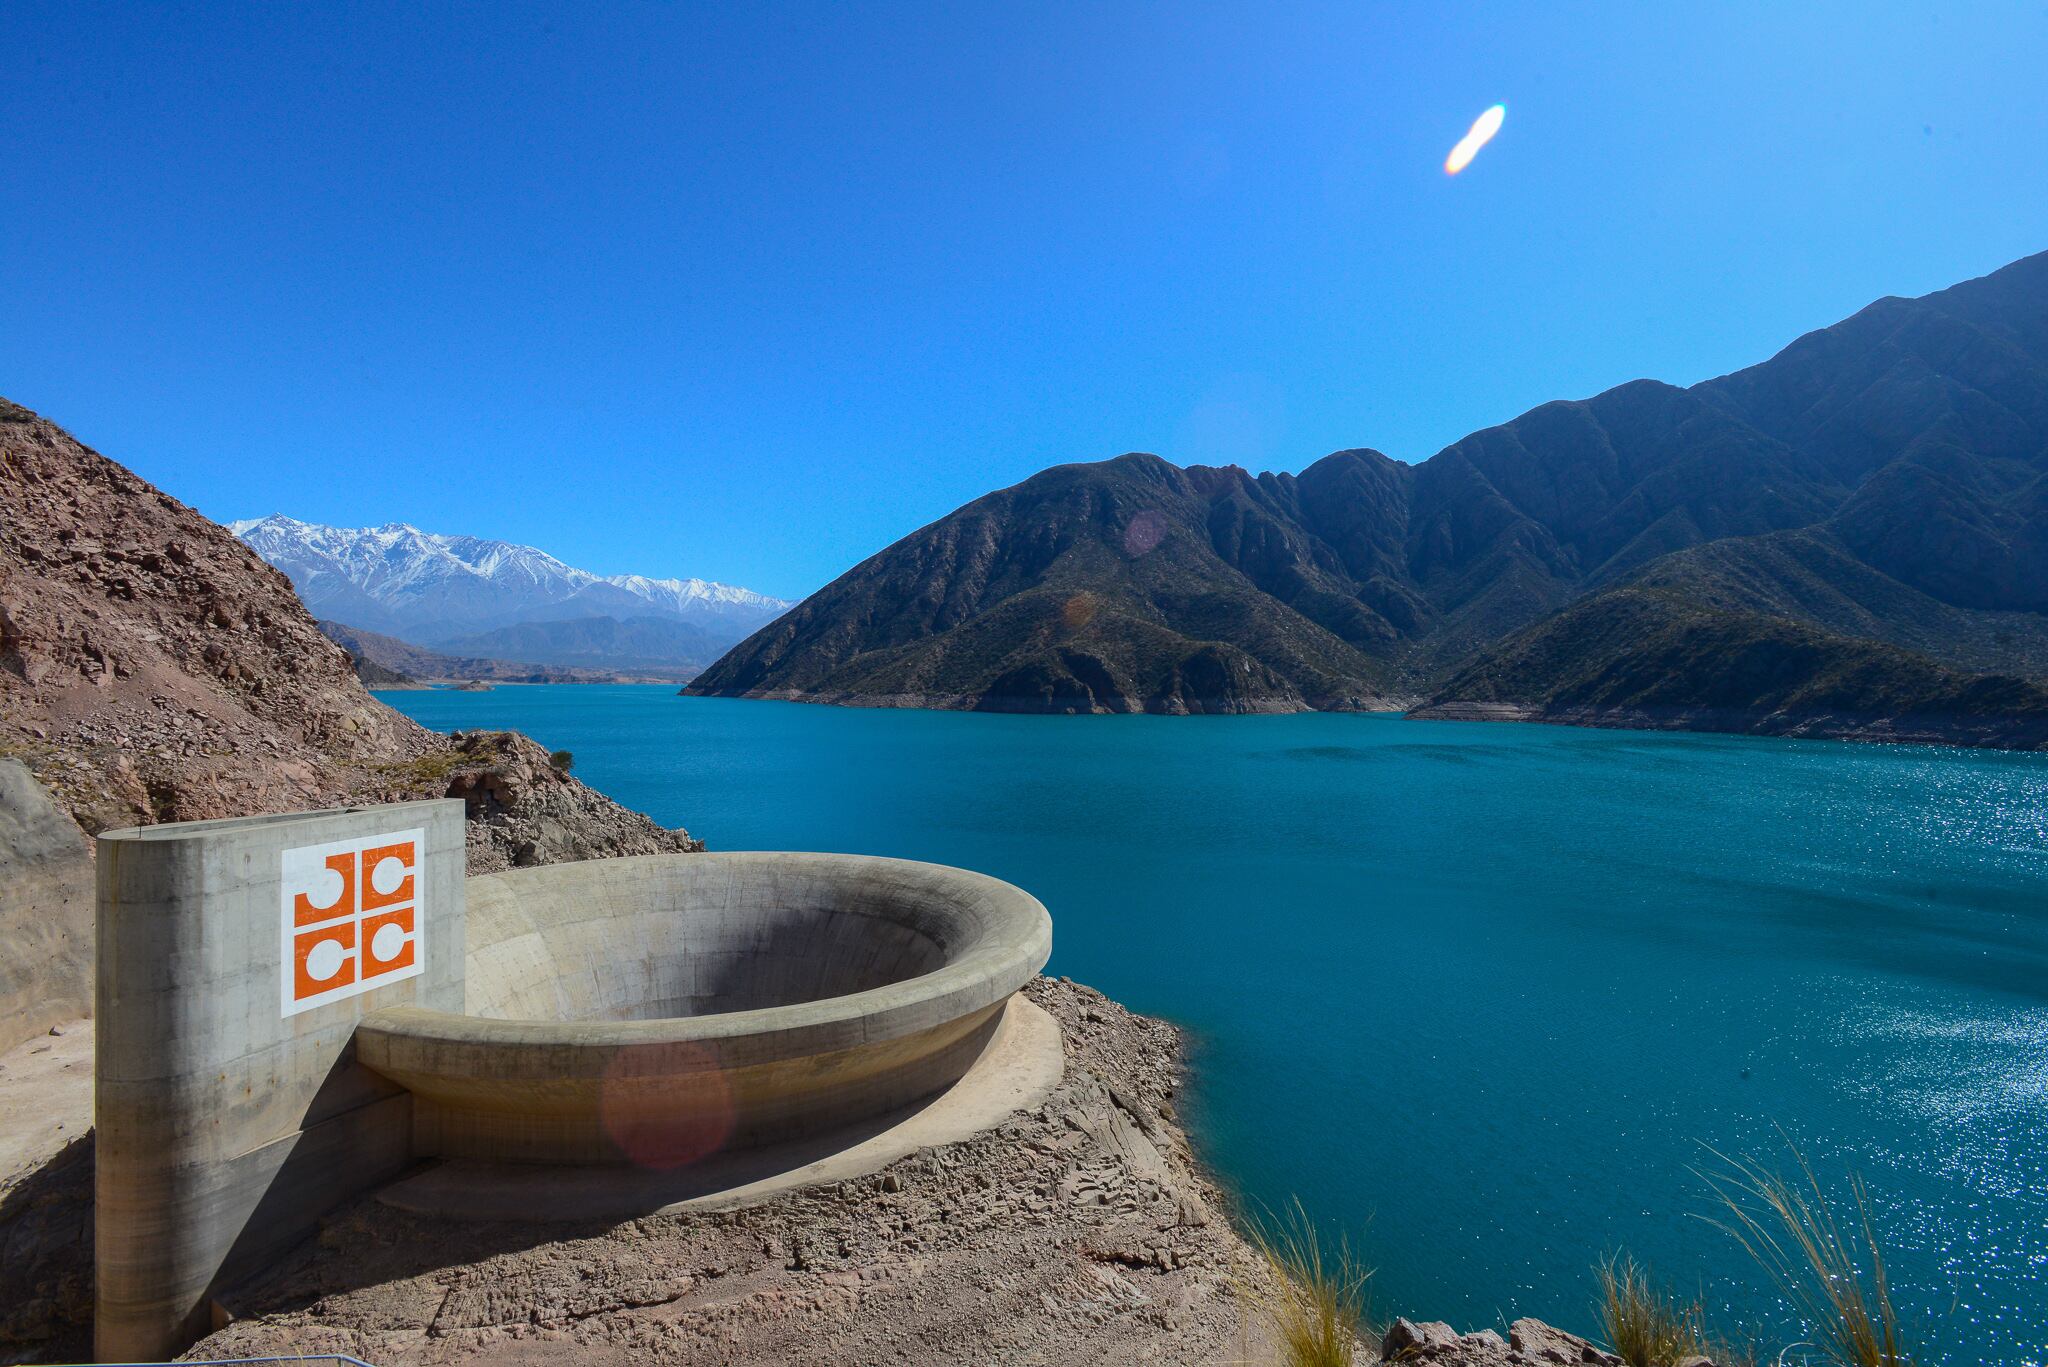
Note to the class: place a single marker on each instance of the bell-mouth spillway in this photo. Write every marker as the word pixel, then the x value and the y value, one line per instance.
pixel 659 1010
pixel 298 1010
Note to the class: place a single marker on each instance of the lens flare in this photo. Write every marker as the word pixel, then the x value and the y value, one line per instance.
pixel 665 1105
pixel 1483 129
pixel 1145 532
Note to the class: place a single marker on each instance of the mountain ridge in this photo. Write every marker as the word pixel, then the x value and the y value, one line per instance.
pixel 1885 478
pixel 666 645
pixel 1651 659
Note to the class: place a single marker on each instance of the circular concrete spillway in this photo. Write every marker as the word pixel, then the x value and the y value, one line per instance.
pixel 659 1010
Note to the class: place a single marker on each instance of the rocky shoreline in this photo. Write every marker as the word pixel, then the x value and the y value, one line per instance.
pixel 1983 733
pixel 1084 1230
pixel 975 702
pixel 1079 1232
pixel 1979 733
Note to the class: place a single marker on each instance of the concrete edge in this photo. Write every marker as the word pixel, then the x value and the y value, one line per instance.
pixel 1023 1062
pixel 1012 954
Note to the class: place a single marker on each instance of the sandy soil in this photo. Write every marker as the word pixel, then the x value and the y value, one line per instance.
pixel 45 1098
pixel 1077 1232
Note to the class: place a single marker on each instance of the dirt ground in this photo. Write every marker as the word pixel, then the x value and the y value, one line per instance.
pixel 45 1098
pixel 1081 1232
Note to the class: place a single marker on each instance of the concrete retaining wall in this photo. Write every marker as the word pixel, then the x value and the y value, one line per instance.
pixel 235 959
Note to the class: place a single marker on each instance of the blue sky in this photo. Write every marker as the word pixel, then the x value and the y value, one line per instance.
pixel 749 293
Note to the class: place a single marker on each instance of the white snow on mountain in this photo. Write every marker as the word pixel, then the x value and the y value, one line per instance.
pixel 677 594
pixel 427 588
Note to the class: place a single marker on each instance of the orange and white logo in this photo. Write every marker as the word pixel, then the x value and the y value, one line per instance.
pixel 352 917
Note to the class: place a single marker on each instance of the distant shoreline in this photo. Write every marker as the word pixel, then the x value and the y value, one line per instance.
pixel 2022 735
pixel 489 685
pixel 2019 735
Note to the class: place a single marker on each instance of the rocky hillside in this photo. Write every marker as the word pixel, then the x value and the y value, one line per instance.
pixel 1132 585
pixel 1653 658
pixel 152 668
pixel 1885 479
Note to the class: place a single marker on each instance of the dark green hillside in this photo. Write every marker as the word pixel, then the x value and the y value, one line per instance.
pixel 1651 657
pixel 1085 588
pixel 1517 520
pixel 1933 413
pixel 1810 576
pixel 1884 480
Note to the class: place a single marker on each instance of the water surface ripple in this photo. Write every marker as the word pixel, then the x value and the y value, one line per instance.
pixel 1479 993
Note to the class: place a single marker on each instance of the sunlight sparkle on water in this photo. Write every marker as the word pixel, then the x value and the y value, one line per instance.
pixel 1746 940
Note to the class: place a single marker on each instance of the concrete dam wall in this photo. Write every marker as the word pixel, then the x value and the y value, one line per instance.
pixel 295 1009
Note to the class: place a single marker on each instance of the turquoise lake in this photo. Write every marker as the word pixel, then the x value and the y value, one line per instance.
pixel 1479 994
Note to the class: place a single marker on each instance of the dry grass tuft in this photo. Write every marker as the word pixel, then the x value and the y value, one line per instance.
pixel 1833 1273
pixel 1314 1297
pixel 1646 1326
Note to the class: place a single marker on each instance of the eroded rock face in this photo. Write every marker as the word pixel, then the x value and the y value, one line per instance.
pixel 1540 1341
pixel 524 811
pixel 152 668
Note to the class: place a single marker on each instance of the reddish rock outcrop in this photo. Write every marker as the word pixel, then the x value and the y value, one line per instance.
pixel 152 668
pixel 1530 1343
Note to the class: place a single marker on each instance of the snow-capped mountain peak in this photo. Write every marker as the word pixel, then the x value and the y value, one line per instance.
pixel 429 587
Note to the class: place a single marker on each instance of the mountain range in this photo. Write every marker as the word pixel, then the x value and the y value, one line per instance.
pixel 467 596
pixel 386 662
pixel 1871 501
